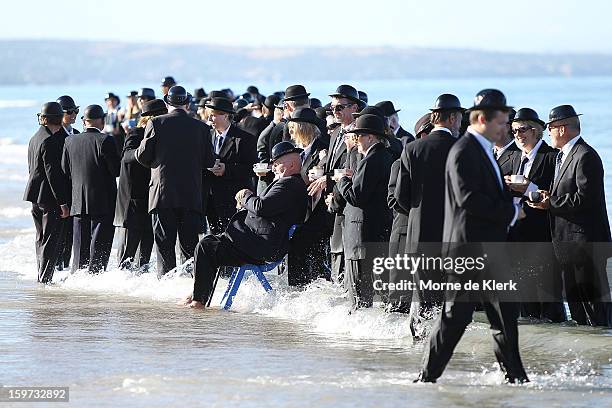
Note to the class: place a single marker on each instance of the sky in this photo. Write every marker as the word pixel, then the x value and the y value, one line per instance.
pixel 534 26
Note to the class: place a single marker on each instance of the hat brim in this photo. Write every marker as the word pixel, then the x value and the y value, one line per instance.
pixel 460 108
pixel 294 150
pixel 490 108
pixel 299 120
pixel 538 121
pixel 356 100
pixel 294 97
pixel 563 118
pixel 154 112
pixel 217 108
pixel 361 131
pixel 187 102
pixel 101 117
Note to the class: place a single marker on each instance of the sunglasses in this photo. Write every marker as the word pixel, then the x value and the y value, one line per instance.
pixel 71 111
pixel 340 107
pixel 521 130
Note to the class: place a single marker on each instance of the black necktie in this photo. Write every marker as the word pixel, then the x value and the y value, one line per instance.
pixel 558 163
pixel 523 163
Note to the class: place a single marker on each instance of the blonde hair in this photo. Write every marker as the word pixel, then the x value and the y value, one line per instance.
pixel 142 122
pixel 303 133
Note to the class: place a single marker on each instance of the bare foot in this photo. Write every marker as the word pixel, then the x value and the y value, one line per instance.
pixel 184 302
pixel 196 305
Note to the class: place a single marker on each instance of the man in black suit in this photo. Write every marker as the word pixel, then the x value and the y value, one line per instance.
pixel 47 188
pixel 91 161
pixel 420 194
pixel 393 121
pixel 505 148
pixel 71 111
pixel 177 148
pixel 367 216
pixel 578 218
pixel 235 153
pixel 478 209
pixel 536 163
pixel 132 210
pixel 259 232
pixel 344 102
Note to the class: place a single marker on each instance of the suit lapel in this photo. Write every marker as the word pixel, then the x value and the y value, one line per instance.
pixel 538 161
pixel 227 142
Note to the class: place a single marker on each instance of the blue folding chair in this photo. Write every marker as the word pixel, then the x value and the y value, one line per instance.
pixel 257 270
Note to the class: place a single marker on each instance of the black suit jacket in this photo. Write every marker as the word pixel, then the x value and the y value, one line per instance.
pixel 177 148
pixel 253 125
pixel 91 161
pixel 261 230
pixel 476 209
pixel 134 178
pixel 535 226
pixel 420 187
pixel 505 160
pixel 238 153
pixel 577 202
pixel 404 136
pixel 367 218
pixel 47 184
pixel 399 226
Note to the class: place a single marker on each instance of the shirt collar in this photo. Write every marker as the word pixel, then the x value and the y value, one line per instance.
pixel 533 151
pixel 503 149
pixel 442 128
pixel 568 146
pixel 224 134
pixel 484 142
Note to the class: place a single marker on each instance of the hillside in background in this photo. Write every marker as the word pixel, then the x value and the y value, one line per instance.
pixel 50 61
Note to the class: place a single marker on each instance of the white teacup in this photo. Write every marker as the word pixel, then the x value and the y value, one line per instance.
pixel 317 172
pixel 261 168
pixel 517 179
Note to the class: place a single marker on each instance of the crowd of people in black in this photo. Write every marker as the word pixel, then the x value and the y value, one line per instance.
pixel 240 171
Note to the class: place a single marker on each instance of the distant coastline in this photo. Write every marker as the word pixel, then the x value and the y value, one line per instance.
pixel 76 62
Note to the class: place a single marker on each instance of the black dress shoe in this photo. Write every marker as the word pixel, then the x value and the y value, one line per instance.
pixel 423 379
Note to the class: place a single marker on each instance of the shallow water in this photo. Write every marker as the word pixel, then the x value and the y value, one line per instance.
pixel 118 339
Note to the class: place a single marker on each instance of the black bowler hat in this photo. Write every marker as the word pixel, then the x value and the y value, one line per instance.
pixel 221 104
pixel 348 92
pixel 51 109
pixel 132 93
pixel 370 124
pixel 271 101
pixel 387 108
pixel 67 103
pixel 511 116
pixel 370 110
pixel 295 92
pixel 562 112
pixel 252 90
pixel 447 102
pixel 168 81
pixel 198 94
pixel 146 93
pixel 177 96
pixel 363 96
pixel 321 112
pixel 315 103
pixel 154 108
pixel 490 99
pixel 525 114
pixel 240 104
pixel 304 115
pixel 423 125
pixel 202 102
pixel 111 95
pixel 283 148
pixel 93 112
pixel 217 94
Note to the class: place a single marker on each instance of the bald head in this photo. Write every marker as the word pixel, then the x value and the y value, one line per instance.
pixel 287 165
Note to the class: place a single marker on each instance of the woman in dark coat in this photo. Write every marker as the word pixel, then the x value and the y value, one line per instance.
pixel 131 212
pixel 367 216
pixel 307 248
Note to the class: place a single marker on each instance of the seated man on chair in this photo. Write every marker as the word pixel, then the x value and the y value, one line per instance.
pixel 259 232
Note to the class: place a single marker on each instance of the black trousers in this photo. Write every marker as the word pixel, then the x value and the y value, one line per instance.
pixel 588 292
pixel 50 229
pixel 457 311
pixel 212 252
pixel 167 224
pixel 218 218
pixel 65 247
pixel 306 258
pixel 135 238
pixel 93 232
